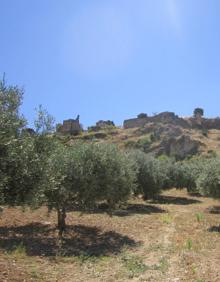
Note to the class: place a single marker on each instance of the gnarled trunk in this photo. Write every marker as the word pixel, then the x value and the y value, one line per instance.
pixel 61 218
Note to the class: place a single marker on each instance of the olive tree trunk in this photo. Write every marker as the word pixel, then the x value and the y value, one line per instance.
pixel 61 219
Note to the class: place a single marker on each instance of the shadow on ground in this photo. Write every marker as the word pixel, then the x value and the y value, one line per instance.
pixel 133 209
pixel 128 210
pixel 214 229
pixel 174 200
pixel 195 194
pixel 41 240
pixel 214 210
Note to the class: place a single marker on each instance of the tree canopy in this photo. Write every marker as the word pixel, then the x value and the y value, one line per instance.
pixel 198 112
pixel 84 174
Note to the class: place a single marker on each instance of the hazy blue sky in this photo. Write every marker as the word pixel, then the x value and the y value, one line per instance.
pixel 112 59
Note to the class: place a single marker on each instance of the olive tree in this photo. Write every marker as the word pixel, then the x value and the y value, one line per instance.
pixel 22 155
pixel 208 182
pixel 11 121
pixel 183 174
pixel 152 174
pixel 84 174
pixel 23 171
pixel 11 124
pixel 44 123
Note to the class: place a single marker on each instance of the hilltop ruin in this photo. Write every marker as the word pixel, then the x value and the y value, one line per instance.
pixel 171 118
pixel 70 126
pixel 168 119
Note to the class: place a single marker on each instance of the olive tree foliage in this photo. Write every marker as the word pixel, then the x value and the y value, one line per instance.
pixel 44 139
pixel 188 172
pixel 41 146
pixel 11 124
pixel 23 172
pixel 157 174
pixel 11 121
pixel 152 174
pixel 44 123
pixel 22 155
pixel 208 182
pixel 183 174
pixel 83 175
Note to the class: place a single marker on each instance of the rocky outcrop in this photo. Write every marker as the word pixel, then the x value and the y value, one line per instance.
pixel 180 147
pixel 159 130
pixel 204 123
pixel 168 130
pixel 135 122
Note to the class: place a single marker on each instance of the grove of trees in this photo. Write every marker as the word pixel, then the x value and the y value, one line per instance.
pixel 37 168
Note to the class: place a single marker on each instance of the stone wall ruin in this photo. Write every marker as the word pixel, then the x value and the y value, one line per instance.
pixel 70 126
pixel 171 118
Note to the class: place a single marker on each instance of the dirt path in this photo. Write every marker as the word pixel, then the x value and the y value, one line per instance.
pixel 196 250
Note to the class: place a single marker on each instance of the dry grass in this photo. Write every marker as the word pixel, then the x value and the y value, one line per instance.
pixel 210 144
pixel 176 238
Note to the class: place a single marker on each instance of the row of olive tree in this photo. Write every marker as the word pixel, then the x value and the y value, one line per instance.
pixel 198 175
pixel 208 182
pixel 37 169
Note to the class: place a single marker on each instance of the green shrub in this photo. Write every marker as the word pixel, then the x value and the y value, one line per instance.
pixel 144 143
pixel 212 153
pixel 142 115
pixel 205 132
pixel 130 144
pixel 198 111
pixel 151 174
pixel 134 265
pixel 166 218
pixel 154 137
pixel 189 244
pixel 94 128
pixel 208 181
pixel 199 216
pixel 185 173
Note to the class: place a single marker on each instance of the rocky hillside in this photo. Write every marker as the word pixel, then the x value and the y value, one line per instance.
pixel 161 134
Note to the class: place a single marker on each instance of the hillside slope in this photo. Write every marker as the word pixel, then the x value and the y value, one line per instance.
pixel 157 138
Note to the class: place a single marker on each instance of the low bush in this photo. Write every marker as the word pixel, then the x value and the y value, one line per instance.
pixel 152 174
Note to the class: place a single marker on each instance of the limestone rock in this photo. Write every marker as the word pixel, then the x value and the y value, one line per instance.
pixel 181 147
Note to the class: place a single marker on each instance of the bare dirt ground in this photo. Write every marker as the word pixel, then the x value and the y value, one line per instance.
pixel 174 238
